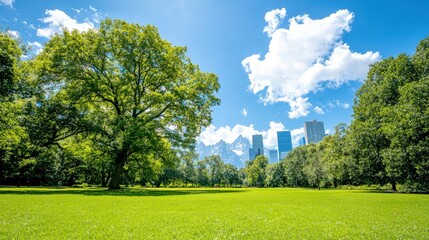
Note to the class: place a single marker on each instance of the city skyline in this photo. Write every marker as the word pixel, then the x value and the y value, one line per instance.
pixel 313 133
pixel 284 146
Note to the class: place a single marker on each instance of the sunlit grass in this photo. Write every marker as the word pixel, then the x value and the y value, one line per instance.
pixel 75 213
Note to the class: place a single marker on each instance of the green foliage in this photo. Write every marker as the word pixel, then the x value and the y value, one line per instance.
pixel 187 168
pixel 255 171
pixel 12 133
pixel 295 162
pixel 93 213
pixel 140 93
pixel 202 173
pixel 215 169
pixel 407 127
pixel 387 140
pixel 336 158
pixel 275 175
pixel 116 104
pixel 231 176
pixel 315 169
pixel 389 129
pixel 10 53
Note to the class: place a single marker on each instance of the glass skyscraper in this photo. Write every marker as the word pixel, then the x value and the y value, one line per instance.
pixel 284 142
pixel 314 132
pixel 258 145
pixel 274 158
pixel 251 154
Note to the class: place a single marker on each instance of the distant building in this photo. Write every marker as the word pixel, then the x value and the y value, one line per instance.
pixel 301 141
pixel 274 157
pixel 251 154
pixel 284 142
pixel 314 132
pixel 258 147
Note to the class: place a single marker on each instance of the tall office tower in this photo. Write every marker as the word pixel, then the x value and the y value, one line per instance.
pixel 274 157
pixel 251 154
pixel 314 132
pixel 258 145
pixel 284 142
pixel 301 141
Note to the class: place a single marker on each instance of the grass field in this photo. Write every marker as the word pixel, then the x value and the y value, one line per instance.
pixel 135 213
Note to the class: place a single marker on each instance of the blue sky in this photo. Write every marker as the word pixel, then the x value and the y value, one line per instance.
pixel 280 63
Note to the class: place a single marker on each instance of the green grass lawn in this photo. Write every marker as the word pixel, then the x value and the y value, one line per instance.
pixel 202 213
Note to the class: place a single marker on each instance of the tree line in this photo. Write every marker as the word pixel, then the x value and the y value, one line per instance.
pixel 387 141
pixel 120 105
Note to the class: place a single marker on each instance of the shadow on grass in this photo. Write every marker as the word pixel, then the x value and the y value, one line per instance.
pixel 149 192
pixel 391 191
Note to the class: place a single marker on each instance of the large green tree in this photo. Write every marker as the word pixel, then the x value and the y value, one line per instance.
pixel 11 131
pixel 389 131
pixel 139 92
pixel 379 92
pixel 407 158
pixel 407 125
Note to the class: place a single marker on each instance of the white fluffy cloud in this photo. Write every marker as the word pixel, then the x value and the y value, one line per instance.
pixel 304 58
pixel 299 107
pixel 57 20
pixel 273 18
pixel 212 135
pixel 7 2
pixel 318 110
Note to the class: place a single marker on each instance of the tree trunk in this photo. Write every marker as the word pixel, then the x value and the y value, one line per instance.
pixel 103 179
pixel 120 160
pixel 394 185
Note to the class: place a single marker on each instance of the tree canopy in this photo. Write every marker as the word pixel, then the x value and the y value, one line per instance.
pixel 132 94
pixel 139 93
